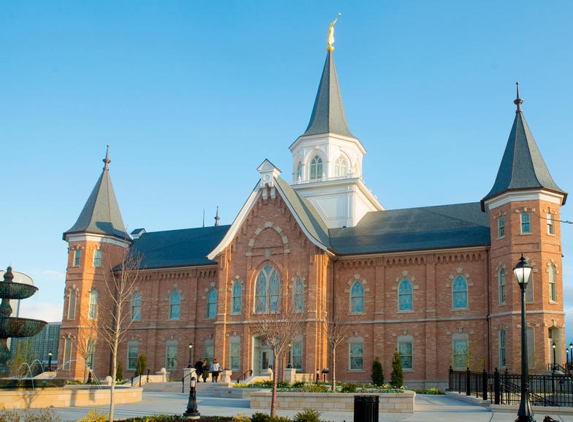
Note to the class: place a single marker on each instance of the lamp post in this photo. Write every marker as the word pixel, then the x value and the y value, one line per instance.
pixel 570 355
pixel 190 350
pixel 554 346
pixel 522 273
pixel 566 358
pixel 49 361
pixel 192 412
pixel 289 353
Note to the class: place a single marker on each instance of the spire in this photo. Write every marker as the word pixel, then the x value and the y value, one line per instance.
pixel 328 112
pixel 217 218
pixel 101 214
pixel 522 166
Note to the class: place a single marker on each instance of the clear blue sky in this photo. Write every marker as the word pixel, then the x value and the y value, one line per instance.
pixel 193 95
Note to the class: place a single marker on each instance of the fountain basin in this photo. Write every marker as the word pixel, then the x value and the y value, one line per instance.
pixel 20 327
pixel 29 383
pixel 11 290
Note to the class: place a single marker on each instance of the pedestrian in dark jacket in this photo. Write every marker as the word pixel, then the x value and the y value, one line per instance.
pixel 198 370
pixel 206 369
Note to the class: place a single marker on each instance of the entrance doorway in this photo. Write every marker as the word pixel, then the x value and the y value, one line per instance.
pixel 262 357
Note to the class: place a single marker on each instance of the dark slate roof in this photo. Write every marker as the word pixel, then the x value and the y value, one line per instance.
pixel 328 111
pixel 306 213
pixel 522 166
pixel 445 226
pixel 101 214
pixel 177 248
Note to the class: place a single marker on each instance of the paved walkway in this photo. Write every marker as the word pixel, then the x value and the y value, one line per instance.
pixel 428 409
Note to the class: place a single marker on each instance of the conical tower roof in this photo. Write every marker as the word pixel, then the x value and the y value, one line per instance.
pixel 328 112
pixel 101 214
pixel 522 166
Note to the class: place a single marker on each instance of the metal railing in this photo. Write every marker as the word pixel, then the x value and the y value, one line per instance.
pixel 245 375
pixel 555 389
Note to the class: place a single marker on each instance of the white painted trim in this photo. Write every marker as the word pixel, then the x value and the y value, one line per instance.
pixel 523 196
pixel 92 237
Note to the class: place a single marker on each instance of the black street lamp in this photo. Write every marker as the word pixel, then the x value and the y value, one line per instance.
pixel 192 412
pixel 522 273
pixel 190 350
pixel 570 355
pixel 50 361
pixel 566 357
pixel 554 359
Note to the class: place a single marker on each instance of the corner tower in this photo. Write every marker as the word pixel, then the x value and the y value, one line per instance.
pixel 524 210
pixel 96 243
pixel 327 158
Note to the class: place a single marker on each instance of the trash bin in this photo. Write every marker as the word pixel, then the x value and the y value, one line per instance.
pixel 366 408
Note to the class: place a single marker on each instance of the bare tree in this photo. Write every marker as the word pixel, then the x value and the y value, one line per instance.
pixel 85 341
pixel 120 284
pixel 277 328
pixel 336 330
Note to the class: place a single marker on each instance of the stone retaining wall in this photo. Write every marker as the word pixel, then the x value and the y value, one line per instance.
pixel 389 402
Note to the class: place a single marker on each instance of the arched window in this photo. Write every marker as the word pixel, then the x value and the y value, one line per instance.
pixel 298 295
pixel 72 304
pixel 357 298
pixel 405 302
pixel 92 313
pixel 316 168
pixel 212 304
pixel 552 283
pixel 237 298
pixel 501 284
pixel 267 290
pixel 340 167
pixel 136 307
pixel 174 305
pixel 460 292
pixel 298 175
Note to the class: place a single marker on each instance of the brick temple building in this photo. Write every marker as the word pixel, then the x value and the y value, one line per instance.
pixel 435 283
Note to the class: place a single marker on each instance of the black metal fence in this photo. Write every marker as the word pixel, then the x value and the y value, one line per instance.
pixel 555 389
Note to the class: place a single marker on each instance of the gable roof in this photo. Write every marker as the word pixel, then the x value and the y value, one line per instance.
pixel 522 166
pixel 445 226
pixel 101 214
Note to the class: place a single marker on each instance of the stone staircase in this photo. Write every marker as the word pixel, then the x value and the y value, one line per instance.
pixel 207 388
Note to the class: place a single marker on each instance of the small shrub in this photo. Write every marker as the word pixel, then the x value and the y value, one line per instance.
pixel 141 365
pixel 95 415
pixel 316 388
pixel 119 371
pixel 307 415
pixel 377 373
pixel 397 376
pixel 260 417
pixel 298 384
pixel 40 415
pixel 348 387
pixel 241 417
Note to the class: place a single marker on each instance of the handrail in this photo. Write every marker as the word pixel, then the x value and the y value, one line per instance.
pixel 248 371
pixel 194 372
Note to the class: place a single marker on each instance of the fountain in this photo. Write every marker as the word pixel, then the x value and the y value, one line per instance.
pixel 14 326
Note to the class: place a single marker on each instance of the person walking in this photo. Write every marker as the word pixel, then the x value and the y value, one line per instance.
pixel 216 370
pixel 199 370
pixel 205 369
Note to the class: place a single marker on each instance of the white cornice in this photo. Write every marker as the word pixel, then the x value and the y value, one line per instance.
pixel 524 196
pixel 326 138
pixel 98 238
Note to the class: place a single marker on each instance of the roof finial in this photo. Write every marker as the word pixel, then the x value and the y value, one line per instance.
pixel 106 160
pixel 217 218
pixel 330 39
pixel 518 101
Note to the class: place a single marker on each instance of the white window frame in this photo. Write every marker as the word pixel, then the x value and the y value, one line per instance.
pixel 551 224
pixel 501 227
pixel 131 360
pixel 502 348
pixel 356 354
pixel 525 223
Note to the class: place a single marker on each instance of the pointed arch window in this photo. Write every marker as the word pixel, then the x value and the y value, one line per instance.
pixel 552 283
pixel 298 295
pixel 405 296
pixel 460 292
pixel 316 168
pixel 136 307
pixel 267 290
pixel 340 167
pixel 174 305
pixel 92 312
pixel 72 304
pixel 212 304
pixel 357 298
pixel 237 298
pixel 501 285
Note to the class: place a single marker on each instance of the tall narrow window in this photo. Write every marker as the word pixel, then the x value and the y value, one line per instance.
pixel 340 167
pixel 316 168
pixel 405 293
pixel 212 304
pixel 296 351
pixel 237 298
pixel 525 222
pixel 501 227
pixel 298 295
pixel 97 258
pixel 460 292
pixel 136 307
pixel 174 305
pixel 235 354
pixel 72 304
pixel 92 313
pixel 529 289
pixel 550 224
pixel 171 357
pixel 405 352
pixel 77 256
pixel 552 283
pixel 90 351
pixel 502 357
pixel 267 289
pixel 357 298
pixel 356 354
pixel 460 353
pixel 209 351
pixel 501 284
pixel 67 354
pixel 132 356
pixel 298 171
